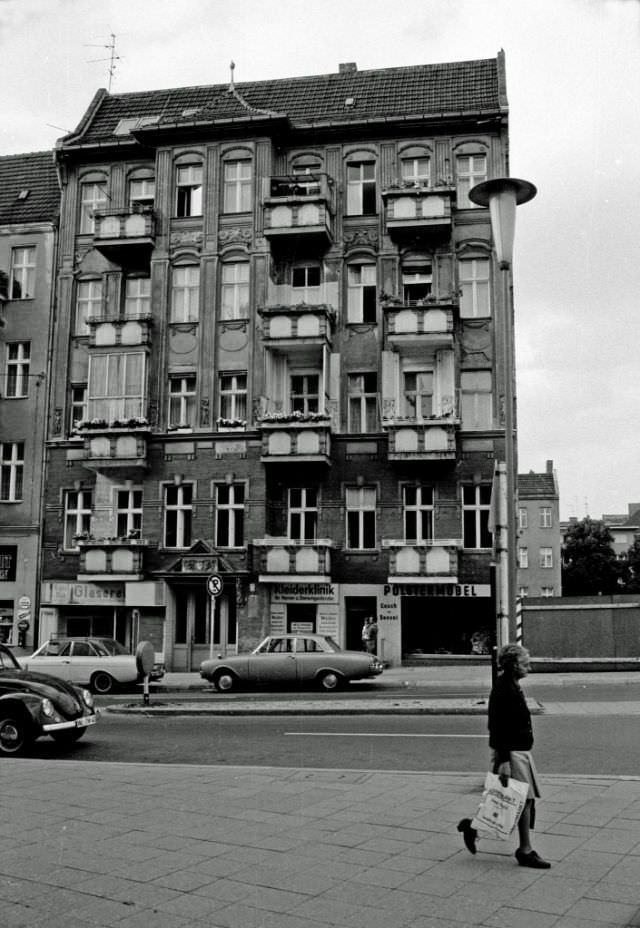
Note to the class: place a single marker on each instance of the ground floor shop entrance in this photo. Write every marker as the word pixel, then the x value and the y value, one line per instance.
pixel 443 625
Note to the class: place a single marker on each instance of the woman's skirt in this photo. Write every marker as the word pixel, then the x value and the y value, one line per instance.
pixel 524 769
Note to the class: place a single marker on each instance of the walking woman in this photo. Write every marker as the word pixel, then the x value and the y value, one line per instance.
pixel 511 740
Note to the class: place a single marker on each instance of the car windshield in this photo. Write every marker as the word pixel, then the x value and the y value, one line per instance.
pixel 8 661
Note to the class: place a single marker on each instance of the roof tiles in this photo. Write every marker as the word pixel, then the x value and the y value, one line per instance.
pixel 537 486
pixel 34 173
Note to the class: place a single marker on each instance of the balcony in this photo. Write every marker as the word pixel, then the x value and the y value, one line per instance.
pixel 415 209
pixel 125 236
pixel 429 320
pixel 111 559
pixel 427 440
pixel 281 560
pixel 299 207
pixel 119 331
pixel 295 438
pixel 121 444
pixel 416 562
pixel 302 321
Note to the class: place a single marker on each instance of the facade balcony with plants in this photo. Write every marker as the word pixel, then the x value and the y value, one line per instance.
pixel 430 319
pixel 300 206
pixel 125 236
pixel 277 560
pixel 418 208
pixel 434 560
pixel 109 559
pixel 115 443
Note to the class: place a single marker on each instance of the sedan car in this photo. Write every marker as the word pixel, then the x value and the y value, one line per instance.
pixel 100 663
pixel 35 704
pixel 291 659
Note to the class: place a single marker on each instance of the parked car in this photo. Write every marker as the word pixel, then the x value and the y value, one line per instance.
pixel 35 704
pixel 100 663
pixel 291 659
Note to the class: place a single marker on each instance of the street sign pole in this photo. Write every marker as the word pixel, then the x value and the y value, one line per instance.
pixel 215 586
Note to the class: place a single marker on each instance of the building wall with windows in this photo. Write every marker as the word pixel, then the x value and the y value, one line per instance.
pixel 539 536
pixel 29 203
pixel 277 362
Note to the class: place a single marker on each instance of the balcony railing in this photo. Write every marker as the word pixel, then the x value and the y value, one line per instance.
pixel 295 438
pixel 300 206
pixel 282 559
pixel 298 321
pixel 435 560
pixel 104 559
pixel 425 440
pixel 108 331
pixel 412 208
pixel 114 445
pixel 126 236
pixel 430 319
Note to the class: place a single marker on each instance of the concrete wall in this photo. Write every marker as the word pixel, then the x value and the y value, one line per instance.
pixel 582 626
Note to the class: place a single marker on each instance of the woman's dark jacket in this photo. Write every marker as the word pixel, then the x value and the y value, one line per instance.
pixel 509 719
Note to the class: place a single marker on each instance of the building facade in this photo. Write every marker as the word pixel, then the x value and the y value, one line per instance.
pixel 29 202
pixel 539 554
pixel 278 372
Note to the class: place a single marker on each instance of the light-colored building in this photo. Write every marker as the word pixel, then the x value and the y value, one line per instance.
pixel 29 204
pixel 624 528
pixel 539 542
pixel 278 363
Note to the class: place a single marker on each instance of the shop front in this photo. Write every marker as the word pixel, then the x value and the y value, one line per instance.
pixel 305 606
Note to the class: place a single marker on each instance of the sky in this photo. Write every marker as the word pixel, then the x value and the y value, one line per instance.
pixel 574 132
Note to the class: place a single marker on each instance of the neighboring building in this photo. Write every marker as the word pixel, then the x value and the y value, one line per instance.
pixel 539 559
pixel 277 363
pixel 29 206
pixel 624 528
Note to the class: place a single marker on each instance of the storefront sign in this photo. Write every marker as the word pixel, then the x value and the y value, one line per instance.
pixel 464 590
pixel 304 593
pixel 8 559
pixel 82 594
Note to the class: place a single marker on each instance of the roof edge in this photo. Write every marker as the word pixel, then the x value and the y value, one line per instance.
pixel 86 119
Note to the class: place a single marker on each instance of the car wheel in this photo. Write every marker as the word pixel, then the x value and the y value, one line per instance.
pixel 68 735
pixel 102 683
pixel 14 734
pixel 225 681
pixel 330 681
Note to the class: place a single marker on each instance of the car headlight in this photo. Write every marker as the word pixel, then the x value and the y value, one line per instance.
pixel 88 698
pixel 48 708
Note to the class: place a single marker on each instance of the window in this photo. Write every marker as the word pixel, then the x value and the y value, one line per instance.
pixel 523 591
pixel 476 399
pixel 546 591
pixel 189 190
pixel 93 198
pixel 88 303
pixel 303 514
pixel 546 557
pixel 476 504
pixel 142 193
pixel 361 189
pixel 235 290
pixel 309 184
pixel 361 517
pixel 416 171
pixel 416 282
pixel 182 400
pixel 546 519
pixel 177 515
pixel 233 396
pixel 303 393
pixel 77 515
pixel 78 405
pixel 11 471
pixel 230 515
pixel 471 170
pixel 523 518
pixel 18 360
pixel 363 402
pixel 237 186
pixel 116 385
pixel 361 295
pixel 417 395
pixel 305 280
pixel 474 286
pixel 137 297
pixel 128 513
pixel 523 558
pixel 418 513
pixel 23 273
pixel 185 293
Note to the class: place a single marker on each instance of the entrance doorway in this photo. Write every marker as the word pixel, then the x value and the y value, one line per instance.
pixel 194 618
pixel 357 608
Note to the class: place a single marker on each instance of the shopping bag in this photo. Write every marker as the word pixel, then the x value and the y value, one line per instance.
pixel 500 806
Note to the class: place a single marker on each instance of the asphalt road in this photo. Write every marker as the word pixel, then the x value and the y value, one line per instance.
pixel 576 745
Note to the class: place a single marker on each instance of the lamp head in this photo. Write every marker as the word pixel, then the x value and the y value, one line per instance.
pixel 502 195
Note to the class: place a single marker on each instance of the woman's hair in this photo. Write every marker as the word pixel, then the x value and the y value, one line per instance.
pixel 509 655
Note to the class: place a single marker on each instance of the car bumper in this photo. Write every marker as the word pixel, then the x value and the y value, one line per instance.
pixel 82 722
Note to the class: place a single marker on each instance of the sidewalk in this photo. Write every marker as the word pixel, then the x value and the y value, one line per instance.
pixel 93 845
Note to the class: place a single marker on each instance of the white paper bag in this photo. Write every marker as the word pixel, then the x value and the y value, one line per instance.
pixel 500 806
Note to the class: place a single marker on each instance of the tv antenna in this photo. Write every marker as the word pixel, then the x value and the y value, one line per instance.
pixel 111 48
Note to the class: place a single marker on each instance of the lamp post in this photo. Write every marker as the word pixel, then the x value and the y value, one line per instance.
pixel 502 195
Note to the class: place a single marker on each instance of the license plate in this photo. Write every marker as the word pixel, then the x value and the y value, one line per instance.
pixel 86 720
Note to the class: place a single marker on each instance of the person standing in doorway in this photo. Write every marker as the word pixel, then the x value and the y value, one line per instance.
pixel 370 635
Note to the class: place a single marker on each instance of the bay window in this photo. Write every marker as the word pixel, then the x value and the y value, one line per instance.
pixel 117 385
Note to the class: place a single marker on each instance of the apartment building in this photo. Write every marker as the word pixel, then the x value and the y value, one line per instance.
pixel 278 375
pixel 29 201
pixel 540 536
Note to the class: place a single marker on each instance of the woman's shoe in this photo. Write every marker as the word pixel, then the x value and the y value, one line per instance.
pixel 469 834
pixel 531 860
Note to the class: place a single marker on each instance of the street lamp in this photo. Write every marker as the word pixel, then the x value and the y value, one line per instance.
pixel 502 195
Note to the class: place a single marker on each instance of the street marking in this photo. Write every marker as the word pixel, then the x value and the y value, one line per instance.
pixel 364 734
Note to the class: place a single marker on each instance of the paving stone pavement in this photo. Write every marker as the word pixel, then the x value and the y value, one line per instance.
pixel 97 845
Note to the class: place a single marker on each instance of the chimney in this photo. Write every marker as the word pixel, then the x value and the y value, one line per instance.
pixel 347 67
pixel 549 467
